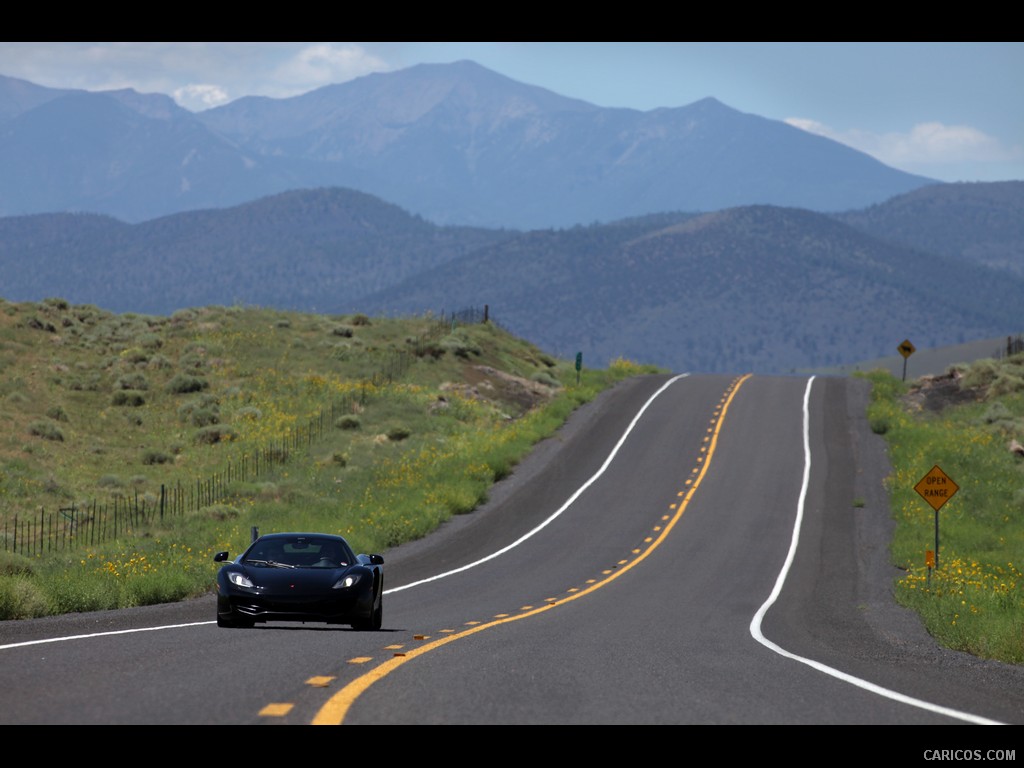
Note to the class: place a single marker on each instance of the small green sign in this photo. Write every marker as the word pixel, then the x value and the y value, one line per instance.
pixel 579 360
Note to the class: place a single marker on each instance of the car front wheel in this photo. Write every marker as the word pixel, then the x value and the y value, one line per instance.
pixel 376 620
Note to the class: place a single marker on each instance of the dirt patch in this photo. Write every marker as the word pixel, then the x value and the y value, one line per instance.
pixel 509 392
pixel 936 393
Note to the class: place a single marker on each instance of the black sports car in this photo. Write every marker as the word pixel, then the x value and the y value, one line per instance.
pixel 300 577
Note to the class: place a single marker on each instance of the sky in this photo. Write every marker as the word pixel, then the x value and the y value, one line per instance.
pixel 948 111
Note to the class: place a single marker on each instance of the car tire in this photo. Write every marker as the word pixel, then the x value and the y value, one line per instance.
pixel 376 620
pixel 378 613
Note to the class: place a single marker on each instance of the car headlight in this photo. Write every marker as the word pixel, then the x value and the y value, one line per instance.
pixel 240 580
pixel 345 582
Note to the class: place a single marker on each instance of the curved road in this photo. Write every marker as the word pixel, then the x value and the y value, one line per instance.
pixel 685 551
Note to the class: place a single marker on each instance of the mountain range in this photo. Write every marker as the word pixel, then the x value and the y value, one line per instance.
pixel 768 289
pixel 454 143
pixel 695 238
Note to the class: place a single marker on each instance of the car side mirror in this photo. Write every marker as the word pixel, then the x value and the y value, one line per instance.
pixel 220 557
pixel 376 560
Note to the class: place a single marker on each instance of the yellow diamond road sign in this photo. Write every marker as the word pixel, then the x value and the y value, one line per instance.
pixel 936 487
pixel 906 349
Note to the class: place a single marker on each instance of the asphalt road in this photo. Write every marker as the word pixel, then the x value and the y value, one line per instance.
pixel 686 551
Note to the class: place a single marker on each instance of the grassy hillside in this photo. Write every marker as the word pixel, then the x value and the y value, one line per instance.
pixel 101 409
pixel 970 423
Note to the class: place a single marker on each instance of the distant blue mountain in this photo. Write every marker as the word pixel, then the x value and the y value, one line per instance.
pixel 754 288
pixel 454 143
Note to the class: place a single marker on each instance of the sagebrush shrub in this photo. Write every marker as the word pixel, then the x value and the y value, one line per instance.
pixel 150 341
pixel 204 417
pixel 40 325
pixel 13 564
pixel 221 512
pixel 156 457
pixel 57 413
pixel 194 360
pixel 1006 383
pixel 545 378
pixel 428 349
pixel 46 430
pixel 133 381
pixel 182 384
pixel 135 355
pixel 213 434
pixel 21 598
pixel 980 374
pixel 996 412
pixel 128 398
pixel 200 412
pixel 396 434
pixel 459 346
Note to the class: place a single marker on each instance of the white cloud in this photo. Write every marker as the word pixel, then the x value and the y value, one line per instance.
pixel 197 75
pixel 323 64
pixel 931 149
pixel 931 141
pixel 811 126
pixel 200 96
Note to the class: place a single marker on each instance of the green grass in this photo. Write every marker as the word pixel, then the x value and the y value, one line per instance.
pixel 974 600
pixel 412 452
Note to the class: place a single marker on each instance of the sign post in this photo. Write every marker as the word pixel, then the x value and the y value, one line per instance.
pixel 579 365
pixel 936 488
pixel 906 349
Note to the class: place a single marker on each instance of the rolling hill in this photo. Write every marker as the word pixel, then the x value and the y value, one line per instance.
pixel 981 223
pixel 757 288
pixel 760 288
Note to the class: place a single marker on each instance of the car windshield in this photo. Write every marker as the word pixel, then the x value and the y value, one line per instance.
pixel 300 552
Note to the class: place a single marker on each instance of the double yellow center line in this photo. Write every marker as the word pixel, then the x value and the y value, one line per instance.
pixel 337 707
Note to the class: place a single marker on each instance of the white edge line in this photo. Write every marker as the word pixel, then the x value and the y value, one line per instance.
pixel 101 634
pixel 755 624
pixel 562 508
